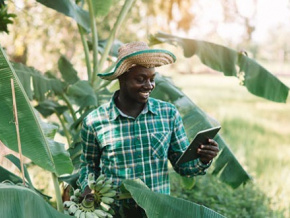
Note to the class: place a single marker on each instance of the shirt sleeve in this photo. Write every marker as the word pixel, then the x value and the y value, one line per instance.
pixel 90 157
pixel 179 143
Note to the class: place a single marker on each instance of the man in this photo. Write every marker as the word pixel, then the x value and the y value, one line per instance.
pixel 134 135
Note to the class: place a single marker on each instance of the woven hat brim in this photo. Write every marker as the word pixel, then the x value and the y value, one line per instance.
pixel 146 58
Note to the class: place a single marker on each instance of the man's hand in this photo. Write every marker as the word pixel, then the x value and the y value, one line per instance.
pixel 86 192
pixel 208 151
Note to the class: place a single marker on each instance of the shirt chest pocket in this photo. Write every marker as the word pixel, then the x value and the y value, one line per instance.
pixel 160 144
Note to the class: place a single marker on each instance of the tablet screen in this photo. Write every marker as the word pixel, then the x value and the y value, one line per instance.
pixel 200 138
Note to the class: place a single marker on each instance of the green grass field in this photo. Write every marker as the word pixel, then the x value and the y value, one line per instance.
pixel 256 130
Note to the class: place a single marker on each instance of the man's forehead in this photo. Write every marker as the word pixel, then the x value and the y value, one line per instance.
pixel 141 70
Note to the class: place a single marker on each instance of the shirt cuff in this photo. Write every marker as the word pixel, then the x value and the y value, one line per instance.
pixel 202 165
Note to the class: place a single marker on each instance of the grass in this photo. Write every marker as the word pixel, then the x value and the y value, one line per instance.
pixel 256 130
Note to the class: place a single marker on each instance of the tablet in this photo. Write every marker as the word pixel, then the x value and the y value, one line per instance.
pixel 200 138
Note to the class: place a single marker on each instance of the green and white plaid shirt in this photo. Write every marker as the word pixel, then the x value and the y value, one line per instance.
pixel 123 147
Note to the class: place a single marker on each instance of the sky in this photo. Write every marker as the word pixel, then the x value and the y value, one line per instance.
pixel 269 14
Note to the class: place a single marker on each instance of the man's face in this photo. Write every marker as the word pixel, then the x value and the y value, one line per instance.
pixel 137 83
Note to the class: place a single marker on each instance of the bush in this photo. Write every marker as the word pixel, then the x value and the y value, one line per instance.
pixel 245 201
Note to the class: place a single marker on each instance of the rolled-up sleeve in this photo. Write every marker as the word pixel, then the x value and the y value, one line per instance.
pixel 90 157
pixel 179 143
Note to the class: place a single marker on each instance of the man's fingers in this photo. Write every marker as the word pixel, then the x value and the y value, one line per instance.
pixel 208 153
pixel 212 142
pixel 209 147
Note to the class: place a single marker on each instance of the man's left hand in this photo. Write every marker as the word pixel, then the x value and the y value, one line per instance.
pixel 208 151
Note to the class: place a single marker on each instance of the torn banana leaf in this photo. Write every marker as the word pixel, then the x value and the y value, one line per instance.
pixel 194 119
pixel 252 75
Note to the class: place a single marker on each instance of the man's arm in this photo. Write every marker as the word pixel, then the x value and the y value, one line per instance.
pixel 179 143
pixel 90 157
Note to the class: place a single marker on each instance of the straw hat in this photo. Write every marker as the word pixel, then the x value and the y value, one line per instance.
pixel 138 53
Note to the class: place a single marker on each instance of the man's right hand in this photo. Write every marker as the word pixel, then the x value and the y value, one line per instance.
pixel 87 190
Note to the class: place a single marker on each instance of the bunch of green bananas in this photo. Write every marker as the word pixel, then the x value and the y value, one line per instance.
pixel 97 203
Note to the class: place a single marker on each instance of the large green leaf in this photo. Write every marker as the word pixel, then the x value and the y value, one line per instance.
pixel 161 205
pixel 256 78
pixel 36 145
pixel 101 7
pixel 21 202
pixel 49 107
pixel 194 119
pixel 16 162
pixel 8 176
pixel 69 74
pixel 70 9
pixel 41 84
pixel 83 94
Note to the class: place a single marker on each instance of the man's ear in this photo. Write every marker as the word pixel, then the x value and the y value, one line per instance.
pixel 122 78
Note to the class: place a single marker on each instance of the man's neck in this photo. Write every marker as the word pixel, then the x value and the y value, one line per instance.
pixel 128 107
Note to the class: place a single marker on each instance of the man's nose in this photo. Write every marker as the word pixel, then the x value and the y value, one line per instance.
pixel 149 84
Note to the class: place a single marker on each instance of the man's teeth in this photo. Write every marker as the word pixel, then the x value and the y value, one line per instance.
pixel 145 93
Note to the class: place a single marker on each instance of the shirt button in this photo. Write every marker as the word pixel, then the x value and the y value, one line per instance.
pixel 139 155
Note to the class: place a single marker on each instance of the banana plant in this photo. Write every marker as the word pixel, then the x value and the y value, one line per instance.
pixel 36 136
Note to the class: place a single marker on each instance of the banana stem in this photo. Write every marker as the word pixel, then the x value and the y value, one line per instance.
pixel 69 105
pixel 123 196
pixel 59 202
pixel 95 41
pixel 87 52
pixel 17 130
pixel 66 132
pixel 88 201
pixel 112 36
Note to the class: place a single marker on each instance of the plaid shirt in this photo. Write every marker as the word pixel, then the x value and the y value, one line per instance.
pixel 123 147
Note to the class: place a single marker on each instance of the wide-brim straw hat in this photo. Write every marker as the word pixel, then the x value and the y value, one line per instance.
pixel 138 53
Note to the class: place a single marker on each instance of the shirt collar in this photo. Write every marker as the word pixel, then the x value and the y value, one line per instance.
pixel 115 112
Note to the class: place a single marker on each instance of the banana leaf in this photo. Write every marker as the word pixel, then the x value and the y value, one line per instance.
pixel 37 144
pixel 161 205
pixel 82 94
pixel 16 162
pixel 70 179
pixel 252 75
pixel 226 165
pixel 22 202
pixel 8 176
pixel 75 153
pixel 101 7
pixel 49 107
pixel 69 74
pixel 40 83
pixel 70 9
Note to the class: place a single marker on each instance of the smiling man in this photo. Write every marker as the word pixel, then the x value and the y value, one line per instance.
pixel 133 135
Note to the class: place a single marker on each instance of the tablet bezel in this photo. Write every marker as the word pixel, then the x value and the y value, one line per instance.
pixel 200 138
